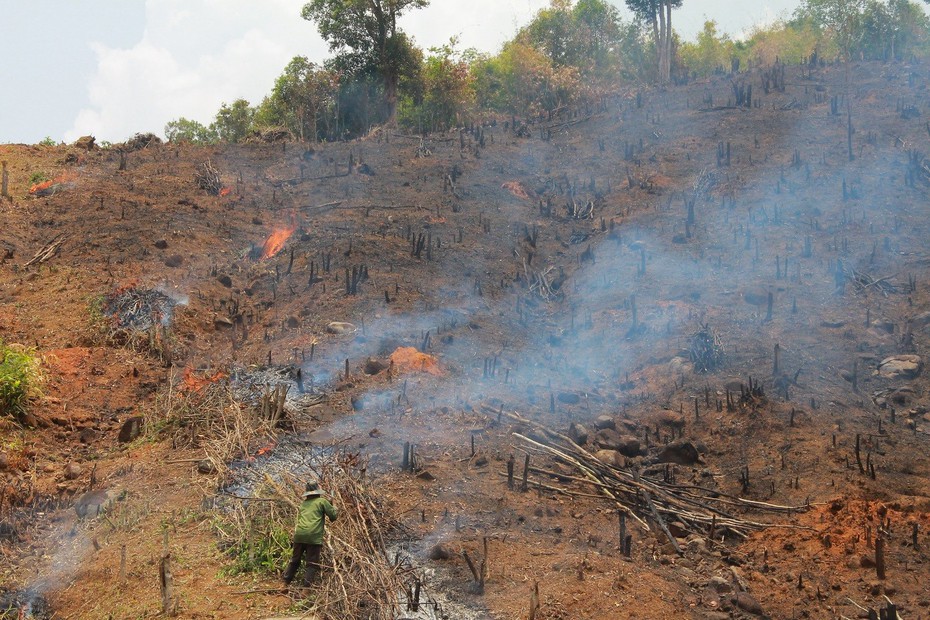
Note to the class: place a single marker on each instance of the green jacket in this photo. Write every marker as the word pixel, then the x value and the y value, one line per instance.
pixel 311 520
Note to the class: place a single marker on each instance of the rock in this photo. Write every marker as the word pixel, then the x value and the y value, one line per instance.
pixel 339 328
pixel 130 430
pixel 921 320
pixel 4 460
pixel 867 561
pixel 670 418
pixel 579 433
pixel 374 433
pixel 425 475
pixel 72 471
pixel 747 603
pixel 87 435
pixel 678 529
pixel 720 585
pixel 94 502
pixel 225 280
pixel 604 421
pixel 568 398
pixel 696 544
pixel 438 552
pixel 374 366
pixel 293 322
pixel 222 322
pixel 175 260
pixel 611 457
pixel 206 466
pixel 629 446
pixel 481 461
pixel 680 452
pixel 900 367
pixel 161 244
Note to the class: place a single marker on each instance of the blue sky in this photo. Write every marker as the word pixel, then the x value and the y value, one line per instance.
pixel 112 68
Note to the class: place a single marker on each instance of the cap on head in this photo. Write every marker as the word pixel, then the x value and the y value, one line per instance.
pixel 312 489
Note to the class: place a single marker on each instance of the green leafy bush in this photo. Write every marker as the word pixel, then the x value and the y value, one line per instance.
pixel 48 141
pixel 21 379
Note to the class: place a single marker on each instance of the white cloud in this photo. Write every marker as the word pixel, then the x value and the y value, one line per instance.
pixel 193 55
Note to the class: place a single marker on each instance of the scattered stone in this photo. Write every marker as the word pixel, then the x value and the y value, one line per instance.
pixel 94 502
pixel 747 603
pixel 206 467
pixel 900 367
pixel 175 260
pixel 4 460
pixel 293 322
pixel 604 421
pixel 720 585
pixel 921 320
pixel 671 418
pixel 481 461
pixel 681 452
pixel 579 433
pixel 161 244
pixel 374 433
pixel 568 398
pixel 438 552
pixel 72 471
pixel 130 430
pixel 374 366
pixel 611 457
pixel 222 322
pixel 867 561
pixel 425 475
pixel 225 280
pixel 339 328
pixel 87 435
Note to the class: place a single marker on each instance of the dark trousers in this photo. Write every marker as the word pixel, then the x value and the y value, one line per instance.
pixel 310 554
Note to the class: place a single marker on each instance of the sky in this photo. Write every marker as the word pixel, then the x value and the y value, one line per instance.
pixel 112 68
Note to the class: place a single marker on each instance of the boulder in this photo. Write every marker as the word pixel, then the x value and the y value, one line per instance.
pixel 130 430
pixel 900 367
pixel 339 328
pixel 747 603
pixel 72 471
pixel 680 452
pixel 609 439
pixel 604 421
pixel 611 457
pixel 88 143
pixel 206 467
pixel 94 502
pixel 579 433
pixel 439 552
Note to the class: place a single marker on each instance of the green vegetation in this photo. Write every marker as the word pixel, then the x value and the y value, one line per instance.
pixel 38 177
pixel 572 52
pixel 257 539
pixel 48 141
pixel 21 379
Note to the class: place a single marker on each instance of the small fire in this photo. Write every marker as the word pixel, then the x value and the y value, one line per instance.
pixel 191 383
pixel 225 192
pixel 50 186
pixel 275 243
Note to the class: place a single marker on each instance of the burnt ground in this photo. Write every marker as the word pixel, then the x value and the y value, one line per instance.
pixel 608 334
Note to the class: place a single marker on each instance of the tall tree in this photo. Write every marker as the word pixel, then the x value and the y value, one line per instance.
pixel 659 14
pixel 367 28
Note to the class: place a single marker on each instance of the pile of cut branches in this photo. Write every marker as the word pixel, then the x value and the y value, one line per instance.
pixel 700 510
pixel 706 350
pixel 208 178
pixel 359 580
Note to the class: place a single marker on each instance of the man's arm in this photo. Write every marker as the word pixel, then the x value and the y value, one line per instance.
pixel 330 510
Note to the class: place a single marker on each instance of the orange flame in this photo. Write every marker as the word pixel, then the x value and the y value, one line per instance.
pixel 190 383
pixel 225 192
pixel 275 243
pixel 59 180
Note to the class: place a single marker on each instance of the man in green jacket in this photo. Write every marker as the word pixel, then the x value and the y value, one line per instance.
pixel 308 534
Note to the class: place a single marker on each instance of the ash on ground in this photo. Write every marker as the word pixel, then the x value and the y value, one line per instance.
pixel 22 604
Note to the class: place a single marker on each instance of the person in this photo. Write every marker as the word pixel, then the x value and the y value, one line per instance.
pixel 308 534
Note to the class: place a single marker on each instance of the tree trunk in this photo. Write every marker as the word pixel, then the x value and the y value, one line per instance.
pixel 661 45
pixel 668 41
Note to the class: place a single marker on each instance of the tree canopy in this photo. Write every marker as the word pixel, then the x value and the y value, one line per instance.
pixel 368 29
